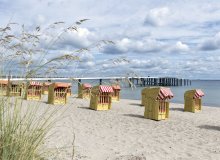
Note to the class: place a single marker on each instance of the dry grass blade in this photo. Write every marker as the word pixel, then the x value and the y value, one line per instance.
pixel 5 29
pixel 73 28
pixel 58 22
pixel 37 28
pixel 81 21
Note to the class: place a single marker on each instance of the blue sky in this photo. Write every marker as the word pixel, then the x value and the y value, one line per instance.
pixel 156 37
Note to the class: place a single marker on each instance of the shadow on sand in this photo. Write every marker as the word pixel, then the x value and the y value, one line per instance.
pixel 134 115
pixel 209 127
pixel 85 108
pixel 136 104
pixel 177 109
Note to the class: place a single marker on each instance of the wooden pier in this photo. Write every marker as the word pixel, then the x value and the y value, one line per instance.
pixel 163 81
pixel 137 81
pixel 153 81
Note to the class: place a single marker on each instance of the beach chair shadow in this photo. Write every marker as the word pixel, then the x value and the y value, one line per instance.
pixel 134 115
pixel 85 108
pixel 177 109
pixel 136 104
pixel 209 127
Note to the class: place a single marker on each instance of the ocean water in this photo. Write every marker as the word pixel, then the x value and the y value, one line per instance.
pixel 211 88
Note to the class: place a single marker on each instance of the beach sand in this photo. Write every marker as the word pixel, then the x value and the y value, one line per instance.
pixel 123 133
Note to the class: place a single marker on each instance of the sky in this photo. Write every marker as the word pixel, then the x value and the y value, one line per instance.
pixel 176 38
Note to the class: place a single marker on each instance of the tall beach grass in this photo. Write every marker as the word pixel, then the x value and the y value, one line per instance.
pixel 23 130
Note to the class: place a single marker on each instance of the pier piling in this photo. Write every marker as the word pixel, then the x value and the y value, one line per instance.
pixel 100 81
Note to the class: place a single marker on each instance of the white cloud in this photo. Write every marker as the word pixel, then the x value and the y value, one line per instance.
pixel 68 40
pixel 179 47
pixel 145 45
pixel 157 16
pixel 127 45
pixel 153 63
pixel 81 39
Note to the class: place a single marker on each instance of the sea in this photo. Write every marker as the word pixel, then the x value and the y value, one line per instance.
pixel 211 88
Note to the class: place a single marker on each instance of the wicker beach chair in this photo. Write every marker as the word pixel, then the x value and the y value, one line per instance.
pixel 157 104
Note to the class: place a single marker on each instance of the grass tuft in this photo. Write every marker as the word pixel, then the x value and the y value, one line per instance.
pixel 22 132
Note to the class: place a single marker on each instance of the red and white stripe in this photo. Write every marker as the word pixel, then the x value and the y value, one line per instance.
pixel 32 83
pixel 198 94
pixel 165 93
pixel 106 89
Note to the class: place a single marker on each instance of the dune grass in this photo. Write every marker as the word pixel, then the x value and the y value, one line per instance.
pixel 22 132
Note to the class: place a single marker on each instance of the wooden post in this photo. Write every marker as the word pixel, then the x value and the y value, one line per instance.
pixel 79 82
pixel 100 81
pixel 130 82
pixel 8 86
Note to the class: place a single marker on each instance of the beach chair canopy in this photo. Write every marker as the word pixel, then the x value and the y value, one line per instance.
pixel 86 85
pixel 198 93
pixel 105 89
pixel 164 93
pixel 116 87
pixel 194 93
pixel 61 84
pixel 3 82
pixel 158 93
pixel 32 83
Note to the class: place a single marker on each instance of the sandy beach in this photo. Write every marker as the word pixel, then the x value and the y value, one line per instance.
pixel 122 133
